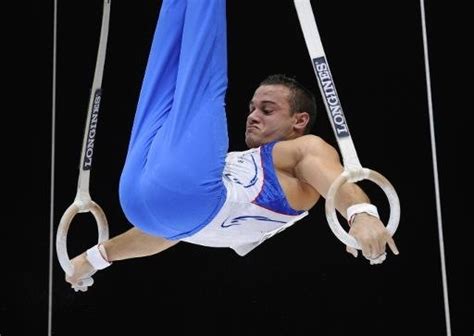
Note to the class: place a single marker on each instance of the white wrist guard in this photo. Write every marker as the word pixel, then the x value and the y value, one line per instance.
pixel 97 257
pixel 361 207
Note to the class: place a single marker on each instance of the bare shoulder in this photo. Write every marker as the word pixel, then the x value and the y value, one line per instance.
pixel 287 153
pixel 306 144
pixel 287 156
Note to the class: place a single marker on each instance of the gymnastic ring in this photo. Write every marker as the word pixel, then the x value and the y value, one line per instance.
pixel 355 175
pixel 66 219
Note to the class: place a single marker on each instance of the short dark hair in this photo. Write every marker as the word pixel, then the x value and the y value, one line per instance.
pixel 301 99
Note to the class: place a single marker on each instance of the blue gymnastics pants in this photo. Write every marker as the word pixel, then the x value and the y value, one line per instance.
pixel 171 183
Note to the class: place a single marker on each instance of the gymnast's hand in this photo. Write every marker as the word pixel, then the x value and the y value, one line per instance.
pixel 82 276
pixel 372 236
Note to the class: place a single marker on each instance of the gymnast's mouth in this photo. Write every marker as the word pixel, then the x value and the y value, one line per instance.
pixel 250 128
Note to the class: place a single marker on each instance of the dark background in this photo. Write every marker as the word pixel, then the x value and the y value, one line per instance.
pixel 301 281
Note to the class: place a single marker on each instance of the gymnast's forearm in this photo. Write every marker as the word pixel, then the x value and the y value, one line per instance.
pixel 134 243
pixel 321 173
pixel 319 166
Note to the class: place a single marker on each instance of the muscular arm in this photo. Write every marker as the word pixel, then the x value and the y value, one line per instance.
pixel 318 164
pixel 133 243
pixel 315 162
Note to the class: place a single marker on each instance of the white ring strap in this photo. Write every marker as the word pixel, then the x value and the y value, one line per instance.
pixel 83 201
pixel 353 171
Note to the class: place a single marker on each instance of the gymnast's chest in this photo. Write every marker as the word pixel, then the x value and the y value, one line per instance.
pixel 243 172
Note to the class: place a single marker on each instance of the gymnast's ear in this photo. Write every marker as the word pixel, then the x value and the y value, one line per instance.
pixel 301 120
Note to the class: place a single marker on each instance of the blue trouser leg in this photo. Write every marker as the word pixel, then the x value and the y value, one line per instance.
pixel 171 184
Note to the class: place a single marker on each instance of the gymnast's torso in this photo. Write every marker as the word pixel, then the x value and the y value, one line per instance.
pixel 256 207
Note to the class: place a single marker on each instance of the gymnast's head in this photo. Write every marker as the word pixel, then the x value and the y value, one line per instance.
pixel 280 109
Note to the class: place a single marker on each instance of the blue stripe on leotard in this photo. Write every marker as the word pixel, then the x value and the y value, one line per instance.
pixel 272 196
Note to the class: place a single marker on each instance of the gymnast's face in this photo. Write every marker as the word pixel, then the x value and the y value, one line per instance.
pixel 270 117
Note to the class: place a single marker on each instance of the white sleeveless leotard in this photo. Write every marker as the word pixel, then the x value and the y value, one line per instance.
pixel 256 207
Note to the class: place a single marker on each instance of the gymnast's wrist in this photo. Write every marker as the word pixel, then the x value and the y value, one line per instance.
pixel 359 208
pixel 97 257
